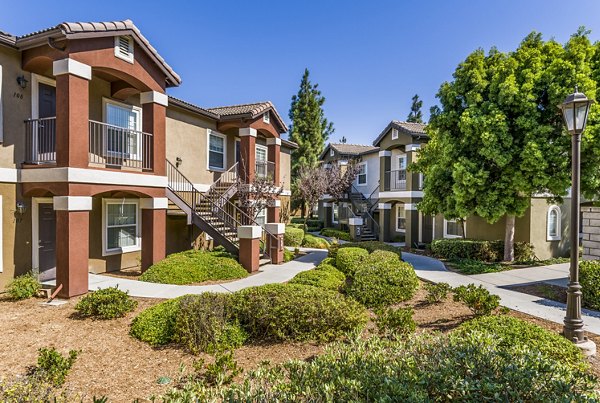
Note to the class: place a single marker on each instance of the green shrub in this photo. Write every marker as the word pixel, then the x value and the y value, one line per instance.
pixel 311 223
pixel 470 266
pixel 329 261
pixel 52 366
pixel 477 299
pixel 383 284
pixel 23 287
pixel 156 325
pixel 372 246
pixel 348 260
pixel 331 269
pixel 293 236
pixel 336 233
pixel 436 292
pixel 205 323
pixel 192 266
pixel 107 303
pixel 382 256
pixel 320 278
pixel 288 255
pixel 509 331
pixel 393 323
pixel 333 250
pixel 311 241
pixel 486 251
pixel 296 312
pixel 589 278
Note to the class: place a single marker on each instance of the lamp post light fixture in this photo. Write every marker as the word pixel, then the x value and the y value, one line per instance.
pixel 575 111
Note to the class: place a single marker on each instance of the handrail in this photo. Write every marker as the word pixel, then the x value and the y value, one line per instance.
pixel 40 141
pixel 366 215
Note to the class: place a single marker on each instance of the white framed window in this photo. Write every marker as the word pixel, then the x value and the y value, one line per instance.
pixel 121 229
pixel 266 117
pixel 217 151
pixel 361 175
pixel 331 152
pixel 553 224
pixel 394 134
pixel 402 162
pixel 335 213
pixel 124 48
pixel 261 161
pixel 123 137
pixel 452 229
pixel 400 218
pixel 261 218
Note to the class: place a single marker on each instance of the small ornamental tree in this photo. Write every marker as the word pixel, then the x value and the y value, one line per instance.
pixel 260 193
pixel 311 184
pixel 340 178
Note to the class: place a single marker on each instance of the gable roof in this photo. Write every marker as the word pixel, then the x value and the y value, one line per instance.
pixel 410 128
pixel 7 39
pixel 251 111
pixel 349 149
pixel 80 30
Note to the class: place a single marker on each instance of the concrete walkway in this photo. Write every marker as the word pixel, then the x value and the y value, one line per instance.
pixel 268 274
pixel 433 270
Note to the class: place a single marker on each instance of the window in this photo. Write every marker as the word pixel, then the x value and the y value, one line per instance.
pixel 402 162
pixel 331 152
pixel 394 134
pixel 123 136
pixel 400 218
pixel 553 229
pixel 216 151
pixel 124 48
pixel 121 226
pixel 261 218
pixel 361 176
pixel 261 161
pixel 452 229
pixel 266 117
pixel 335 213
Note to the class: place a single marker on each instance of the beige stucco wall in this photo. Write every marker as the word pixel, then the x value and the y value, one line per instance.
pixel 543 248
pixel 285 167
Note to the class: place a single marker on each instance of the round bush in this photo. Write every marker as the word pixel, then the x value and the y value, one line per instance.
pixel 348 260
pixel 319 278
pixel 331 269
pixel 293 236
pixel 288 255
pixel 372 246
pixel 107 303
pixel 589 277
pixel 311 241
pixel 296 312
pixel 382 256
pixel 23 287
pixel 192 266
pixel 156 324
pixel 383 284
pixel 510 331
pixel 328 260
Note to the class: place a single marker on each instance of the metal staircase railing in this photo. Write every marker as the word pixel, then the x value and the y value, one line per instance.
pixel 226 184
pixel 362 205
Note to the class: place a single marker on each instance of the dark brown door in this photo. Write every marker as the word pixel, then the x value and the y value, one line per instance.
pixel 47 101
pixel 427 231
pixel 47 241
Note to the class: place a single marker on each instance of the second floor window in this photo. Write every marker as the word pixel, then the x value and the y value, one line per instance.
pixel 216 151
pixel 123 134
pixel 361 176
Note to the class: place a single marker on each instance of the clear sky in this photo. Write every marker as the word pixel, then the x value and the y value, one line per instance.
pixel 369 57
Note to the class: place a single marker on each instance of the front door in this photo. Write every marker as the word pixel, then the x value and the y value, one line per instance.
pixel 46 101
pixel 47 241
pixel 427 230
pixel 45 141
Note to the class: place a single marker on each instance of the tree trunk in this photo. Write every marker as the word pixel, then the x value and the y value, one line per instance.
pixel 509 238
pixel 463 224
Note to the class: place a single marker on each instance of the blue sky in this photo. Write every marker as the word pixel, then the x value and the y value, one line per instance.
pixel 368 57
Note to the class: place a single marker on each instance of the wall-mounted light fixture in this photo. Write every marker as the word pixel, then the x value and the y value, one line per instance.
pixel 178 161
pixel 21 208
pixel 22 81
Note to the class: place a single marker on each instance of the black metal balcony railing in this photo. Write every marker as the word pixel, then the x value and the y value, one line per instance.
pixel 265 170
pixel 40 141
pixel 395 180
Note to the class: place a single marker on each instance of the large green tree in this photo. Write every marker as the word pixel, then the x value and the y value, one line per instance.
pixel 415 115
pixel 309 129
pixel 498 138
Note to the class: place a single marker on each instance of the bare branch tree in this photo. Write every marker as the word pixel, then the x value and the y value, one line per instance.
pixel 340 178
pixel 312 185
pixel 260 193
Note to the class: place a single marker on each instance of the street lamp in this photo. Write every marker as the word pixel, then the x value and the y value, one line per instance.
pixel 575 111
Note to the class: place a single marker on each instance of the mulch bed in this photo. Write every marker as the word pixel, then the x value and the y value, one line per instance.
pixel 543 290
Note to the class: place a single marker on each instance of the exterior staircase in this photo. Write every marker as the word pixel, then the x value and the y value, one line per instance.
pixel 363 207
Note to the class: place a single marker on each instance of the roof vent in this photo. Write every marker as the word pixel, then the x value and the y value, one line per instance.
pixel 124 48
pixel 266 117
pixel 394 134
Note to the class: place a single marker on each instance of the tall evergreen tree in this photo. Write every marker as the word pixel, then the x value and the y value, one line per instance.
pixel 415 115
pixel 309 129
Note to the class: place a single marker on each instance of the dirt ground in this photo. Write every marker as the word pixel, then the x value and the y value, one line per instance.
pixel 112 363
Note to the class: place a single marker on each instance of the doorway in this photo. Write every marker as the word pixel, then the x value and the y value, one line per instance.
pixel 44 238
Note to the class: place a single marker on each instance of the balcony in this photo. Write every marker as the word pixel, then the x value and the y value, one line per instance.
pixel 109 146
pixel 395 180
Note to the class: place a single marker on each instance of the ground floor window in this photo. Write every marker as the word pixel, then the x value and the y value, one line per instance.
pixel 335 217
pixel 452 229
pixel 121 225
pixel 400 217
pixel 553 227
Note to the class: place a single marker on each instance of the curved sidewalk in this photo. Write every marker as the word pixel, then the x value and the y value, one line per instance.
pixel 433 270
pixel 267 274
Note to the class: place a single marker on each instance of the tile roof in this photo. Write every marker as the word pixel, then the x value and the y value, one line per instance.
pixel 251 110
pixel 191 107
pixel 7 38
pixel 349 149
pixel 412 129
pixel 76 30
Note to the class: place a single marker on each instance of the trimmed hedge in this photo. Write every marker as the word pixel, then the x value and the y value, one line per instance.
pixel 330 268
pixel 372 246
pixel 296 312
pixel 107 303
pixel 194 267
pixel 348 260
pixel 288 255
pixel 383 283
pixel 328 260
pixel 336 233
pixel 312 224
pixel 311 241
pixel 156 325
pixel 487 251
pixel 322 278
pixel 589 278
pixel 293 236
pixel 509 331
pixel 382 256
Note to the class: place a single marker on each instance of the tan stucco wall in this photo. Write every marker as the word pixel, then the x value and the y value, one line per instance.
pixel 543 248
pixel 285 167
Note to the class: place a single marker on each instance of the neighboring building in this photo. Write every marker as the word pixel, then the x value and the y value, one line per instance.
pixel 101 170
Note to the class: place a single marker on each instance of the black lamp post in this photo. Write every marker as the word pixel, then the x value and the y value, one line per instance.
pixel 575 111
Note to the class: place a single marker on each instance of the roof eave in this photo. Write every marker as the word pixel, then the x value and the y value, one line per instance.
pixel 192 108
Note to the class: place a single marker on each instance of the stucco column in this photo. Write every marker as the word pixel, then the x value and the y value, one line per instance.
pixel 154 121
pixel 274 153
pixel 154 229
pixel 248 154
pixel 412 224
pixel 385 218
pixel 72 244
pixel 327 206
pixel 273 210
pixel 249 238
pixel 275 242
pixel 72 112
pixel 412 177
pixel 355 224
pixel 385 165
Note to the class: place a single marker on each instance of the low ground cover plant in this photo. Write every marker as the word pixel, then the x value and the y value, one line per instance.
pixel 192 267
pixel 470 266
pixel 486 251
pixel 477 299
pixel 293 236
pixel 311 241
pixel 589 278
pixel 52 366
pixel 436 293
pixel 395 322
pixel 336 233
pixel 107 303
pixel 24 287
